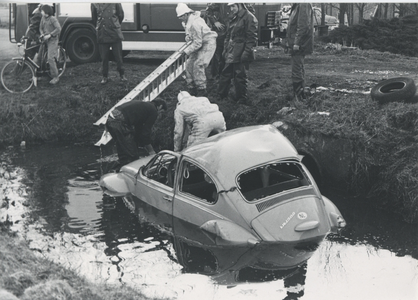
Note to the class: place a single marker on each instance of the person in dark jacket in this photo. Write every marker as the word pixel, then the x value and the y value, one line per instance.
pixel 240 40
pixel 32 32
pixel 130 125
pixel 300 34
pixel 217 19
pixel 108 17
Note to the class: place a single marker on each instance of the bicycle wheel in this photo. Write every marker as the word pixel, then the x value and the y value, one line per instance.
pixel 61 62
pixel 17 76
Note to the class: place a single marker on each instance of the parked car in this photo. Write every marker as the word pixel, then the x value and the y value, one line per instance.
pixel 330 21
pixel 245 186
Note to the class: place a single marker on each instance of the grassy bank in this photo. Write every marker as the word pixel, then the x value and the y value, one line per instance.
pixel 25 276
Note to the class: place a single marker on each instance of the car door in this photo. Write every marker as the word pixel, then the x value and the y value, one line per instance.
pixel 155 181
pixel 195 199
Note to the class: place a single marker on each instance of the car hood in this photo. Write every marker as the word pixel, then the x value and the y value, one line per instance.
pixel 293 221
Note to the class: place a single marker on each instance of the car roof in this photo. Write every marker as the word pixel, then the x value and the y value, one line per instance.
pixel 227 154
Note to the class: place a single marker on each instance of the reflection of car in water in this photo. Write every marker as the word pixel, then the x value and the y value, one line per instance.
pixel 243 187
pixel 197 252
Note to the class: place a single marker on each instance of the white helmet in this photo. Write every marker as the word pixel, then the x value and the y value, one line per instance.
pixel 182 95
pixel 182 9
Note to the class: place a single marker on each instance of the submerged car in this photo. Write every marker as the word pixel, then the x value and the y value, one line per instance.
pixel 245 186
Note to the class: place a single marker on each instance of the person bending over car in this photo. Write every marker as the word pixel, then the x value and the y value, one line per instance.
pixel 195 119
pixel 130 125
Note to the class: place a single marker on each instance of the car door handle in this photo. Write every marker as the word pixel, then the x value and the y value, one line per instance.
pixel 168 198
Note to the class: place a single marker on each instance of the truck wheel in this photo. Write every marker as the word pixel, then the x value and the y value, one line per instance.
pixel 394 89
pixel 82 46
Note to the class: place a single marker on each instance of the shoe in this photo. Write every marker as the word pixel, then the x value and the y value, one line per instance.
pixel 54 80
pixel 104 80
pixel 123 78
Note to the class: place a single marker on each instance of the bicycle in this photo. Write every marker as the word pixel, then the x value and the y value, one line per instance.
pixel 20 74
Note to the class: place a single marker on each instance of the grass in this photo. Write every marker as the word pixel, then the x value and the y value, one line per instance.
pixel 28 277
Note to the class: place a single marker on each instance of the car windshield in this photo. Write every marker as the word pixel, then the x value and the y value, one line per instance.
pixel 271 179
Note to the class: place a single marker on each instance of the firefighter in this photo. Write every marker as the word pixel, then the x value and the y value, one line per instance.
pixel 195 119
pixel 200 51
pixel 240 40
pixel 300 35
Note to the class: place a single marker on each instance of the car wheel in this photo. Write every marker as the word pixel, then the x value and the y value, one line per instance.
pixel 394 89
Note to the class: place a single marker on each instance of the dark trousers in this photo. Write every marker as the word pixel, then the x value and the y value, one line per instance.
pixel 298 68
pixel 104 50
pixel 236 72
pixel 124 137
pixel 217 64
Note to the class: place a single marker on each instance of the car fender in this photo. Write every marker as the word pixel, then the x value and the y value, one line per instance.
pixel 228 233
pixel 114 184
pixel 336 219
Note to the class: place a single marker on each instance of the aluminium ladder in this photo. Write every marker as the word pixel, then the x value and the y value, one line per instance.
pixel 151 86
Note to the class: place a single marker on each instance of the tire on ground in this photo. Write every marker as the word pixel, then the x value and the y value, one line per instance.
pixel 82 46
pixel 394 89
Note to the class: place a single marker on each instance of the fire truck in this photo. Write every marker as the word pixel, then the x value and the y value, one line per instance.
pixel 146 26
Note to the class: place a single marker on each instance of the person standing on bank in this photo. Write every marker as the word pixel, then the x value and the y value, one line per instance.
pixel 108 17
pixel 300 35
pixel 194 119
pixel 217 20
pixel 240 40
pixel 50 29
pixel 200 51
pixel 130 125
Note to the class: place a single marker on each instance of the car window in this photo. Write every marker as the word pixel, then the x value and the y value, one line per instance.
pixel 271 179
pixel 198 183
pixel 162 169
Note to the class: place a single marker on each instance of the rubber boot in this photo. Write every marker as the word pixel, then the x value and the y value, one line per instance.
pixel 298 91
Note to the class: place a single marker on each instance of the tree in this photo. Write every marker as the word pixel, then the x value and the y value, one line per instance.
pixel 360 7
pixel 341 16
